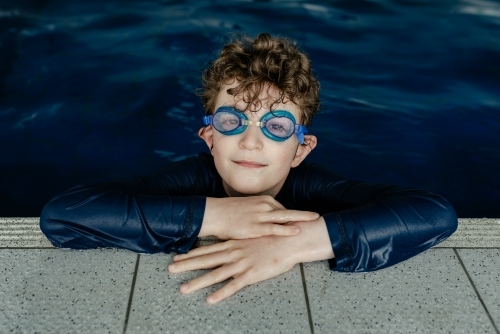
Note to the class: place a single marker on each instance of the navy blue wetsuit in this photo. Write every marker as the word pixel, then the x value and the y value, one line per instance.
pixel 371 226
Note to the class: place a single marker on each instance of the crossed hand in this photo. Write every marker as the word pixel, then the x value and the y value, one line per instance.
pixel 262 244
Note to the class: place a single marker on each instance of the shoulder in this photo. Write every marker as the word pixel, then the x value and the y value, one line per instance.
pixel 194 175
pixel 200 168
pixel 307 183
pixel 313 173
pixel 203 160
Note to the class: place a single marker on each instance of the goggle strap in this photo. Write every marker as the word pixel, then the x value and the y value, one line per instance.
pixel 301 130
pixel 207 120
pixel 300 137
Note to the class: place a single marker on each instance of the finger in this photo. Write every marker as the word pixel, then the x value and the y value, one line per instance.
pixel 202 251
pixel 215 276
pixel 275 229
pixel 277 205
pixel 285 216
pixel 201 262
pixel 227 290
pixel 267 200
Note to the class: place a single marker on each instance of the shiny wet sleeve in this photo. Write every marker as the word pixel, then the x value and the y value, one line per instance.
pixel 159 213
pixel 374 226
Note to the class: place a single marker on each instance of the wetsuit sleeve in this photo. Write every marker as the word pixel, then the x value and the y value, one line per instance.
pixel 159 213
pixel 374 226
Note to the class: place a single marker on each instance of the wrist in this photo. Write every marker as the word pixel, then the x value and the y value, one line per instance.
pixel 313 241
pixel 208 227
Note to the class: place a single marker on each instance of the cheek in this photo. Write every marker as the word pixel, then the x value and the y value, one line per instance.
pixel 283 157
pixel 221 150
pixel 217 143
pixel 287 154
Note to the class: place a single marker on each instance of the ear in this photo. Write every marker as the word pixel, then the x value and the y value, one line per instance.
pixel 303 150
pixel 206 134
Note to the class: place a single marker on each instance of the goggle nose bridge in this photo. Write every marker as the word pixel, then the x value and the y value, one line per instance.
pixel 256 123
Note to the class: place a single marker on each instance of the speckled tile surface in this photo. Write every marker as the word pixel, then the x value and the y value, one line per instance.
pixel 22 232
pixel 429 293
pixel 483 266
pixel 276 305
pixel 475 232
pixel 56 291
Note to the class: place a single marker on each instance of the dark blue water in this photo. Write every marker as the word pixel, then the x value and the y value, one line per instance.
pixel 93 91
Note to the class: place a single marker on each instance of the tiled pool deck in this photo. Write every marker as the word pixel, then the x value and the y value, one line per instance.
pixel 452 288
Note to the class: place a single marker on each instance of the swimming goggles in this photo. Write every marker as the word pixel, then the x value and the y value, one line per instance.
pixel 278 125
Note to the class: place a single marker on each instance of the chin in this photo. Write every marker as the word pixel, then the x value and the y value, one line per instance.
pixel 246 190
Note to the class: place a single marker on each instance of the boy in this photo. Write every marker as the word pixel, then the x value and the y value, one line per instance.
pixel 254 189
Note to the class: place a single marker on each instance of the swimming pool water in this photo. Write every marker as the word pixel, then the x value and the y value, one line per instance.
pixel 94 91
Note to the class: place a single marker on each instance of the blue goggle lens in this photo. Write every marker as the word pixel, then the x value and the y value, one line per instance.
pixel 225 121
pixel 281 127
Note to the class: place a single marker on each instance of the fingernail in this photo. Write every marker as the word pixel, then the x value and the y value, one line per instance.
pixel 171 267
pixel 296 230
pixel 177 257
pixel 184 287
pixel 317 215
pixel 211 300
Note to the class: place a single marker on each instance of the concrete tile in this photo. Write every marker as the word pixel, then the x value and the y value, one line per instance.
pixel 474 232
pixel 22 232
pixel 276 305
pixel 56 291
pixel 429 293
pixel 483 266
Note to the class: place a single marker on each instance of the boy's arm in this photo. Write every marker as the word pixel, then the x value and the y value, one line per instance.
pixel 372 226
pixel 92 217
pixel 159 213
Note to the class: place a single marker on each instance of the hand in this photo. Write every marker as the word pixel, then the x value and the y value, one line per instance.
pixel 250 217
pixel 250 261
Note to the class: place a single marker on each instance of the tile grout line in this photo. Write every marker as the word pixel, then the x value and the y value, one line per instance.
pixel 132 288
pixel 477 292
pixel 309 315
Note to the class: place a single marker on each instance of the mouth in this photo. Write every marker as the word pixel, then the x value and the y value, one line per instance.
pixel 249 164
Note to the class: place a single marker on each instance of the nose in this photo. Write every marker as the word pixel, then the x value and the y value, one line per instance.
pixel 251 138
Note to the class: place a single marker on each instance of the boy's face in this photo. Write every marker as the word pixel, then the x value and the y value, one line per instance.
pixel 250 163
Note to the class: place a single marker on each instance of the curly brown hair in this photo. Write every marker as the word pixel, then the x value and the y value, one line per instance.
pixel 258 64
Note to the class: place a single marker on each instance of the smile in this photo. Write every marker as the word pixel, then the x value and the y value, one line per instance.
pixel 249 164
